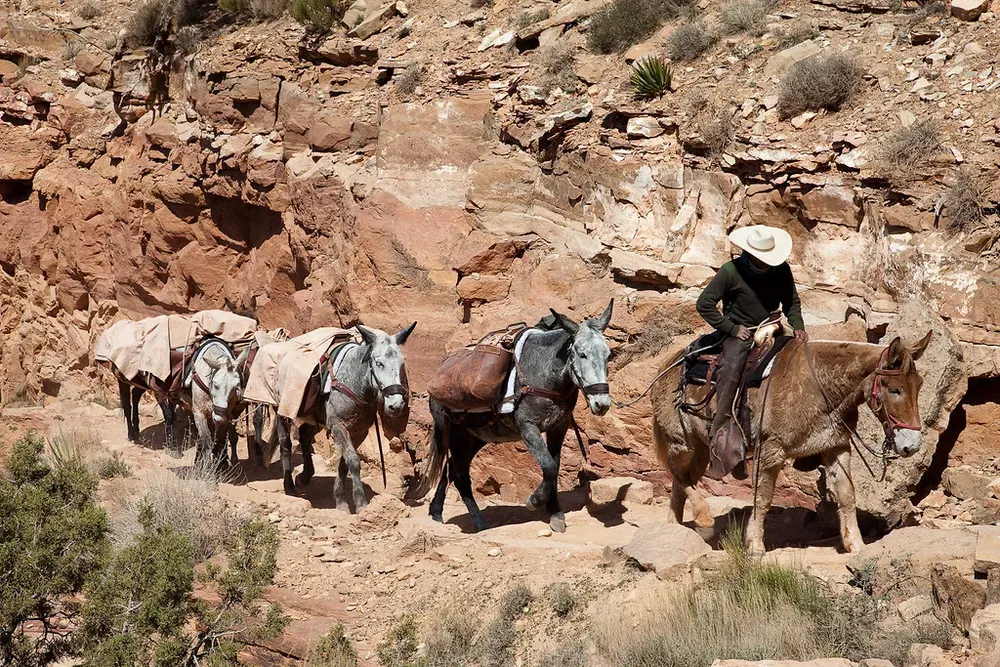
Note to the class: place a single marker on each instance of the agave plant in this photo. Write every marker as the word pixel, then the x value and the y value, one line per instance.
pixel 650 77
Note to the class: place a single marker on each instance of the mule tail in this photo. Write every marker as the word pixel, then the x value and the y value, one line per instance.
pixel 262 413
pixel 436 459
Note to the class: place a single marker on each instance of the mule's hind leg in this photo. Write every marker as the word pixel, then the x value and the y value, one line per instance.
pixel 258 432
pixel 838 475
pixel 284 435
pixel 437 503
pixel 125 396
pixel 307 435
pixel 464 448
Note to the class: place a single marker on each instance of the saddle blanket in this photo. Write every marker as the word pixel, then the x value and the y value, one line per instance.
pixel 281 371
pixel 144 346
pixel 509 398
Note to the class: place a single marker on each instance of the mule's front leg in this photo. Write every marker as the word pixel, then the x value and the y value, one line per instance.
pixel 307 435
pixel 258 431
pixel 762 505
pixel 546 491
pixel 283 428
pixel 125 396
pixel 206 438
pixel 838 475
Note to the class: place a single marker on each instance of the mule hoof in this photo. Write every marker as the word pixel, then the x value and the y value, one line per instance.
pixel 302 480
pixel 360 504
pixel 479 525
pixel 259 461
pixel 290 490
pixel 557 522
pixel 437 517
pixel 532 503
pixel 342 506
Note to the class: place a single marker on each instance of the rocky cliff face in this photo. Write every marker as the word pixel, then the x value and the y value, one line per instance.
pixel 303 179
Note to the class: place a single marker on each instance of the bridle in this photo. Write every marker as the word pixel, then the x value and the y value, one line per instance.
pixel 593 389
pixel 388 390
pixel 877 405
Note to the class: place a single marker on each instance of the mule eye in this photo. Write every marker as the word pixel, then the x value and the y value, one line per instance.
pixel 895 392
pixel 582 355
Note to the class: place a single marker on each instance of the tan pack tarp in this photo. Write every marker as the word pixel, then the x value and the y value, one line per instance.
pixel 121 345
pixel 281 371
pixel 145 345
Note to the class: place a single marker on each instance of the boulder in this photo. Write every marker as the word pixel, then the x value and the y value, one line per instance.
pixel 927 655
pixel 779 63
pixel 918 605
pixel 987 549
pixel 945 381
pixel 984 630
pixel 374 22
pixel 483 289
pixel 965 483
pixel 956 598
pixel 665 548
pixel 383 512
pixel 923 547
pixel 969 10
pixel 834 204
pixel 620 489
pixel 643 127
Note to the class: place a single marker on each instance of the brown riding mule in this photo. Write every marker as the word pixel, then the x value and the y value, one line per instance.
pixel 810 407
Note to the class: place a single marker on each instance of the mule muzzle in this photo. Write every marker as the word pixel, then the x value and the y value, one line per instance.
pixel 394 398
pixel 905 442
pixel 598 397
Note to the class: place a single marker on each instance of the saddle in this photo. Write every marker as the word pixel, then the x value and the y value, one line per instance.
pixel 180 365
pixel 472 378
pixel 700 364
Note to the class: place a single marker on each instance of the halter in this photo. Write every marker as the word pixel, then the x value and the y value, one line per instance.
pixel 876 403
pixel 388 390
pixel 221 411
pixel 595 389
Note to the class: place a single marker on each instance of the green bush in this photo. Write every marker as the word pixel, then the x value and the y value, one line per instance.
pixel 334 649
pixel 52 537
pixel 318 16
pixel 820 82
pixel 690 41
pixel 650 77
pixel 146 23
pixel 563 600
pixel 628 22
pixel 113 466
pixel 400 645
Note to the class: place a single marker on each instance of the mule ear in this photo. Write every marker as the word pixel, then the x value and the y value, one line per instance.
pixel 894 354
pixel 214 364
pixel 367 334
pixel 242 359
pixel 569 325
pixel 604 320
pixel 918 348
pixel 404 334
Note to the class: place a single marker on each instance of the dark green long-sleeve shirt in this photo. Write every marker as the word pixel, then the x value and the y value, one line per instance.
pixel 748 297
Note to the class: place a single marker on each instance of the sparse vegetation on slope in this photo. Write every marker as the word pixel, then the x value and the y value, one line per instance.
pixel 650 77
pixel 964 201
pixel 334 649
pixel 318 16
pixel 628 22
pixel 749 16
pixel 821 82
pixel 909 146
pixel 690 40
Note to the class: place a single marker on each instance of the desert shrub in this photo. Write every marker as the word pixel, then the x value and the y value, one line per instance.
pixel 820 82
pixel 796 34
pixel 563 599
pixel 658 330
pixel 189 503
pixel 449 638
pixel 557 62
pixel 407 82
pixel 146 22
pixel 965 201
pixel 334 649
pixel 318 16
pixel 530 17
pixel 749 16
pixel 571 653
pixel 188 40
pixel 113 465
pixel 716 130
pixel 90 10
pixel 186 12
pixel 515 601
pixel 496 641
pixel 690 40
pixel 400 645
pixel 268 9
pixel 141 611
pixel 754 610
pixel 52 537
pixel 479 4
pixel 236 7
pixel 627 22
pixel 908 147
pixel 80 446
pixel 650 77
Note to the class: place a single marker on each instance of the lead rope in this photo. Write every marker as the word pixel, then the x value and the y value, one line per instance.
pixel 381 454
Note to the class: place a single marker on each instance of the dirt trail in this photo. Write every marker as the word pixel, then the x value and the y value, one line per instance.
pixel 367 570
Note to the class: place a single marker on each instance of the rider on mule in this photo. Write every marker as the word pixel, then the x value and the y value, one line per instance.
pixel 751 288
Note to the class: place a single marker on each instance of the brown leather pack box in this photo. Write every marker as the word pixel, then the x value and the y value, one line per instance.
pixel 471 378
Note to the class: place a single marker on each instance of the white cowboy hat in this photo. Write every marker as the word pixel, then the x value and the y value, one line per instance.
pixel 768 244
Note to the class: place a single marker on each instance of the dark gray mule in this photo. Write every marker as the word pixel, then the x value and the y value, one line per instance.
pixel 554 367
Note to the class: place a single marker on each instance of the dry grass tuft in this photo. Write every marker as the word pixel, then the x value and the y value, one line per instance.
pixel 268 9
pixel 449 639
pixel 570 653
pixel 563 599
pixel 188 40
pixel 908 147
pixel 530 17
pixel 408 81
pixel 745 16
pixel 146 22
pixel 658 330
pixel 188 501
pixel 690 41
pixel 334 649
pixel 716 130
pixel 90 10
pixel 796 34
pixel 821 82
pixel 752 610
pixel 965 201
pixel 628 22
